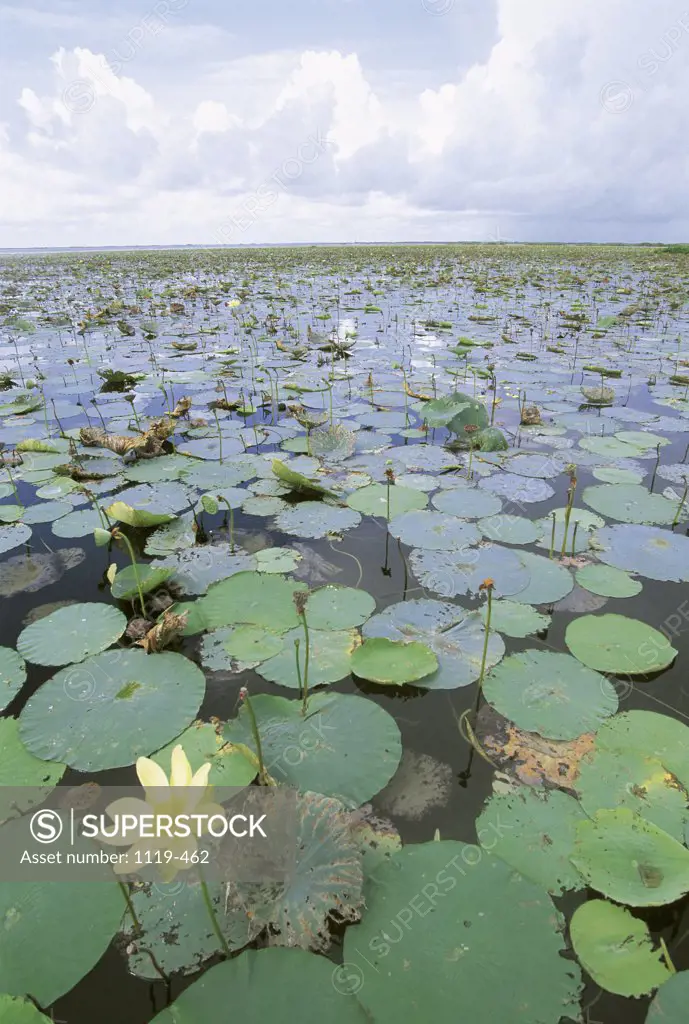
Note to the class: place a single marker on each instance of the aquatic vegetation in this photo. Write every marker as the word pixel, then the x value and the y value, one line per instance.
pixel 368 479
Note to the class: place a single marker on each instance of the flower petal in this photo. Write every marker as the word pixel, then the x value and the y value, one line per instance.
pixel 200 777
pixel 180 770
pixel 151 775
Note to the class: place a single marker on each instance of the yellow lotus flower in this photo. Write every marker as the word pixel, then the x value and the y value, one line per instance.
pixel 184 793
pixel 233 302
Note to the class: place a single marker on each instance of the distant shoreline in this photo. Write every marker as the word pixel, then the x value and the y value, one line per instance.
pixel 46 250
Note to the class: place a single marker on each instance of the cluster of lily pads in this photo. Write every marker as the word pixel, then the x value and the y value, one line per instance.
pixel 511 425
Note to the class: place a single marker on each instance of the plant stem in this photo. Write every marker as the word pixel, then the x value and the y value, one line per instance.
pixel 130 906
pixel 231 511
pixel 305 694
pixel 212 915
pixel 486 638
pixel 128 544
pixel 574 536
pixel 678 513
pixel 217 423
pixel 552 537
pixel 257 738
pixel 296 654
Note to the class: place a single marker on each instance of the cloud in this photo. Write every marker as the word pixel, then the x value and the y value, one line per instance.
pixel 571 126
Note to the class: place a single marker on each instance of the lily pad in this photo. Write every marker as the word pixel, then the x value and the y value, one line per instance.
pixel 549 580
pixel 12 675
pixel 251 598
pixel 346 745
pixel 20 768
pixel 653 553
pixel 13 536
pixel 455 636
pixel 631 861
pixel 515 619
pixel 393 662
pixel 334 607
pixel 551 694
pixel 508 529
pixel 112 708
pixel 373 500
pixel 277 985
pixel 616 949
pixel 315 519
pixel 197 568
pixel 534 833
pixel 466 954
pixel 631 503
pixel 330 654
pixel 670 1003
pixel 71 634
pixel 177 930
pixel 15 1010
pixel 467 503
pixel 618 644
pixel 607 581
pixel 54 934
pixel 451 574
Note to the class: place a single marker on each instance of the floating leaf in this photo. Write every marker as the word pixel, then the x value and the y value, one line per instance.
pixel 535 835
pixel 71 634
pixel 334 607
pixel 631 503
pixel 326 878
pixel 515 619
pixel 670 1003
pixel 314 519
pixel 203 743
pixel 616 949
pixel 615 643
pixel 455 636
pixel 373 500
pixel 393 662
pixel 435 531
pixel 330 654
pixel 12 675
pixel 277 985
pixel 112 708
pixel 346 745
pixel 551 694
pixel 630 860
pixel 656 554
pixel 465 955
pixel 607 581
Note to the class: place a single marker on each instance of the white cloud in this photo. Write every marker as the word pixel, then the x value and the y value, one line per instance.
pixel 572 126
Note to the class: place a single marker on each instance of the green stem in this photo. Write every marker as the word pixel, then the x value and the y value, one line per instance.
pixel 305 695
pixel 486 638
pixel 130 906
pixel 568 514
pixel 296 654
pixel 217 423
pixel 123 537
pixel 666 956
pixel 257 738
pixel 212 915
pixel 574 536
pixel 678 513
pixel 552 537
pixel 231 511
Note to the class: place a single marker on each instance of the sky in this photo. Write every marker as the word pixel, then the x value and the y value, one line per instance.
pixel 206 122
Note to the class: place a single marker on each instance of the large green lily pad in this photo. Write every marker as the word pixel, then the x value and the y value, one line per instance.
pixel 615 643
pixel 277 985
pixel 631 503
pixel 203 743
pixel 454 635
pixel 630 860
pixel 393 662
pixel 616 949
pixel 551 694
pixel 671 1000
pixel 656 554
pixel 54 933
pixel 438 938
pixel 373 500
pixel 71 634
pixel 330 656
pixel 536 833
pixel 345 746
pixel 12 675
pixel 112 708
